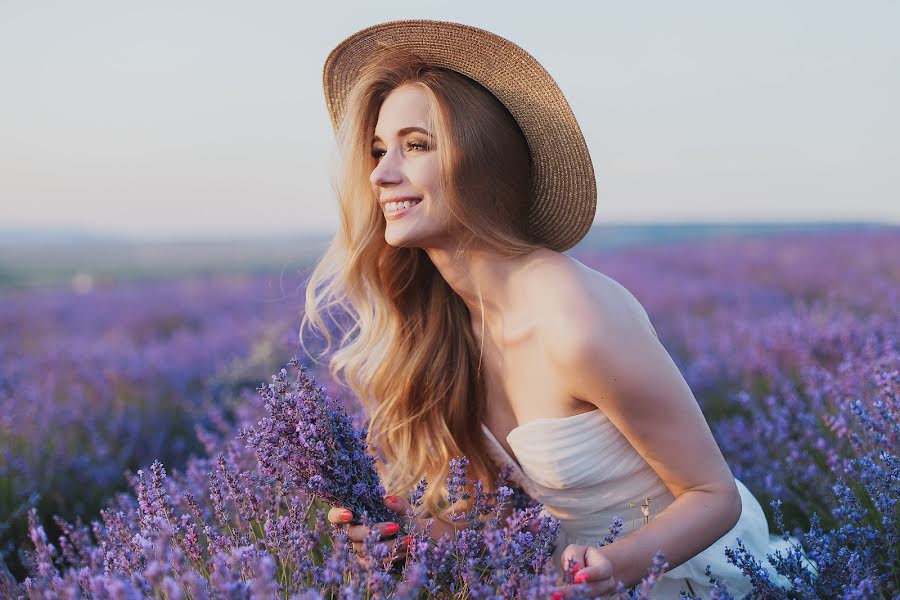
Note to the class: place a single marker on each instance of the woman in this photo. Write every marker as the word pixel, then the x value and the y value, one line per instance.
pixel 464 177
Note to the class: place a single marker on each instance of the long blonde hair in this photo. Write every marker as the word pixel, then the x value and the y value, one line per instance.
pixel 407 350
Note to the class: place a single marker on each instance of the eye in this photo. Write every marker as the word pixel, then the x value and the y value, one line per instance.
pixel 411 145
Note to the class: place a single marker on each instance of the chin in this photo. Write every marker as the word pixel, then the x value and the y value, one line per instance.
pixel 398 242
pixel 414 237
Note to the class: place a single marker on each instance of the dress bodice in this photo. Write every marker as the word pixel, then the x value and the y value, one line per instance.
pixel 585 472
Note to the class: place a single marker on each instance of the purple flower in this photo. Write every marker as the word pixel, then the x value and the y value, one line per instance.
pixel 308 441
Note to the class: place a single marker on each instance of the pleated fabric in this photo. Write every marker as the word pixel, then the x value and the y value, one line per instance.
pixel 585 473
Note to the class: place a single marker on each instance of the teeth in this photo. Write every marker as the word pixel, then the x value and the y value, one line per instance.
pixel 391 206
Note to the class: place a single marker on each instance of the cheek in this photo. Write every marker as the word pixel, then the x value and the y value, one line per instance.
pixel 428 176
pixel 431 180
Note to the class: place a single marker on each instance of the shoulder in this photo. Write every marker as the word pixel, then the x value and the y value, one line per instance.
pixel 598 339
pixel 582 310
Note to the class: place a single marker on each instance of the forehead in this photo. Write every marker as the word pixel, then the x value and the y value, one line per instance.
pixel 405 106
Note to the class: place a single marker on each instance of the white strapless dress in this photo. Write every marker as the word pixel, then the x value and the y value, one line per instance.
pixel 585 472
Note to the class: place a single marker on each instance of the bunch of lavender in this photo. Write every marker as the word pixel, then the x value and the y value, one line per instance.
pixel 308 441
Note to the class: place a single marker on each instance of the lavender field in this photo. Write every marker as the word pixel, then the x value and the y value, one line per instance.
pixel 141 400
pixel 96 383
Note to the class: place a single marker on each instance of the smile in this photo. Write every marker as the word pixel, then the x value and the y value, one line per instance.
pixel 395 210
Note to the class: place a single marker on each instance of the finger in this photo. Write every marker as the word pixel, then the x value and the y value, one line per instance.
pixel 357 533
pixel 389 529
pixel 573 553
pixel 339 515
pixel 597 566
pixel 386 529
pixel 587 576
pixel 396 504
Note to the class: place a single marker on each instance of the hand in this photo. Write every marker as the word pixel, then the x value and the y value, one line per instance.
pixel 593 571
pixel 388 529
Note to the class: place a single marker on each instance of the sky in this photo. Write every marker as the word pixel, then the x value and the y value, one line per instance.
pixel 197 120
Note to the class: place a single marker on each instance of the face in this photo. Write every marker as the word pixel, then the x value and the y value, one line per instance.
pixel 407 169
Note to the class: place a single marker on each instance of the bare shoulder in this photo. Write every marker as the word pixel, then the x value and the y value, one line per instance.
pixel 572 299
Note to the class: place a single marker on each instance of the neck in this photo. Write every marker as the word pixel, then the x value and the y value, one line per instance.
pixel 485 273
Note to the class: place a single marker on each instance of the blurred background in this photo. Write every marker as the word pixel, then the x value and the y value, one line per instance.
pixel 165 186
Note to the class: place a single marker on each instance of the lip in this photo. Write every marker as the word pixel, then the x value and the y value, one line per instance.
pixel 396 214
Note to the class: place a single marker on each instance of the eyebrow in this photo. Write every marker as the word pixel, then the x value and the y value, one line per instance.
pixel 404 131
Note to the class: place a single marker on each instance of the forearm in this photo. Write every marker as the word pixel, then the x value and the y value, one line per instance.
pixel 689 525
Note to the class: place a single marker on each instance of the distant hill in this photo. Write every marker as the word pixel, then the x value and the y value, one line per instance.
pixel 617 236
pixel 46 236
pixel 49 258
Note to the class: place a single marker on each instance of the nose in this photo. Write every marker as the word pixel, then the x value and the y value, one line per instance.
pixel 387 170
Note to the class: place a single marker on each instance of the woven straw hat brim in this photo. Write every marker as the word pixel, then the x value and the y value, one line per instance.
pixel 563 184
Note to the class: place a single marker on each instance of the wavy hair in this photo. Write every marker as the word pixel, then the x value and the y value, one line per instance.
pixel 407 349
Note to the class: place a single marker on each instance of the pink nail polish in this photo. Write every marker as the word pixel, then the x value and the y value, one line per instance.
pixel 391 529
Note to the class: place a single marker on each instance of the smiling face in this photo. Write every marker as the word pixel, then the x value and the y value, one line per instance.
pixel 407 170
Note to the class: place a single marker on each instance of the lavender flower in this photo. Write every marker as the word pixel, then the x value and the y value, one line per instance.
pixel 615 528
pixel 309 441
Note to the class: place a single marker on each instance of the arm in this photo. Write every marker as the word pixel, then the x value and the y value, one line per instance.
pixel 603 345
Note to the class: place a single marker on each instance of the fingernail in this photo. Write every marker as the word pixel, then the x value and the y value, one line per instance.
pixel 581 578
pixel 391 528
pixel 346 515
pixel 392 499
pixel 407 540
pixel 575 568
pixel 557 596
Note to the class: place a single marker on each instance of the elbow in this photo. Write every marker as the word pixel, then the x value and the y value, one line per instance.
pixel 733 507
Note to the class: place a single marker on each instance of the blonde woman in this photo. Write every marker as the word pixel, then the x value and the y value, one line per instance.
pixel 463 178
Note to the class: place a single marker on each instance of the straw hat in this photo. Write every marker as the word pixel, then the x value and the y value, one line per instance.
pixel 563 184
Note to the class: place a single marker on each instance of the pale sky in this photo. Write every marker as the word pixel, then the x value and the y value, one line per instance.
pixel 207 119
